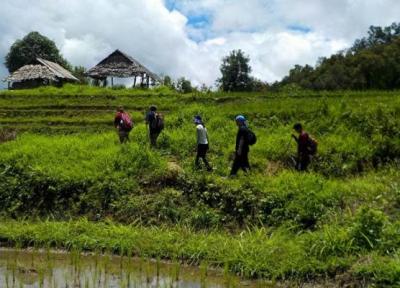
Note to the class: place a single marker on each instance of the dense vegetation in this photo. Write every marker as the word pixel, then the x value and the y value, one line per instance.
pixel 339 219
pixel 372 62
pixel 25 51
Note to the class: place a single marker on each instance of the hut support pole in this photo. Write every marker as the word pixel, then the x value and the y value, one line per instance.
pixel 112 81
pixel 134 82
pixel 148 81
pixel 141 80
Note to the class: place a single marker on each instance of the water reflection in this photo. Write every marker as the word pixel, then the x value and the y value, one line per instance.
pixel 20 268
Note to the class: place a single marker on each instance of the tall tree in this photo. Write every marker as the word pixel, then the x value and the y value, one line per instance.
pixel 24 51
pixel 235 70
pixel 184 85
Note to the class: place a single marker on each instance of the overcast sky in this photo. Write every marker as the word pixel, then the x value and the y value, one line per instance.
pixel 189 37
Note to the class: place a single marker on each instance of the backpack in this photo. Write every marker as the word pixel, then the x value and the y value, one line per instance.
pixel 158 122
pixel 251 137
pixel 312 146
pixel 126 122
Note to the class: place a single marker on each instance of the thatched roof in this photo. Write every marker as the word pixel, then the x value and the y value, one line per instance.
pixel 44 69
pixel 119 64
pixel 58 70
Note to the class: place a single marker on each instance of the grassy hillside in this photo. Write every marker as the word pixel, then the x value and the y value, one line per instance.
pixel 339 219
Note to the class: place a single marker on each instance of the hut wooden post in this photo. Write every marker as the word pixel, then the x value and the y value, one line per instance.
pixel 134 81
pixel 148 81
pixel 112 81
pixel 141 80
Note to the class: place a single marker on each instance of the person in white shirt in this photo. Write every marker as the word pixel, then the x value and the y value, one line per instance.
pixel 202 143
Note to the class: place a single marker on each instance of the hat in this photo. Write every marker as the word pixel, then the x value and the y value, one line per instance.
pixel 240 118
pixel 197 119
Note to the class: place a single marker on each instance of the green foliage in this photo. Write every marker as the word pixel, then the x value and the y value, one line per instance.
pixel 368 227
pixel 235 70
pixel 62 159
pixel 184 86
pixel 33 45
pixel 83 174
pixel 79 72
pixel 167 81
pixel 372 63
pixel 384 271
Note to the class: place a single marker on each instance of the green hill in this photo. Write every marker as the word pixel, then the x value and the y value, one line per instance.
pixel 339 220
pixel 373 62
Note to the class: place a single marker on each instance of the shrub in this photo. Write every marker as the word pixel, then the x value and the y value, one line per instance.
pixel 367 228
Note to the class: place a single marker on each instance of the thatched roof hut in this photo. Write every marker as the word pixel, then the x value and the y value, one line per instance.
pixel 121 65
pixel 43 72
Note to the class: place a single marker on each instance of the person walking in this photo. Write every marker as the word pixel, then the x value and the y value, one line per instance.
pixel 155 122
pixel 242 149
pixel 202 143
pixel 123 123
pixel 306 147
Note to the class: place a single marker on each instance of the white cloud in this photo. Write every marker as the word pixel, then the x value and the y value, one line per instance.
pixel 86 31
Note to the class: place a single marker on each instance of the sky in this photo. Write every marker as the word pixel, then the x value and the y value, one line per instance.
pixel 190 37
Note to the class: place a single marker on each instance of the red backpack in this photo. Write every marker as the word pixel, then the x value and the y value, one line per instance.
pixel 312 145
pixel 127 123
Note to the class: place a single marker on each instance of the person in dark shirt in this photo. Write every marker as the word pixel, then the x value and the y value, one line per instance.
pixel 150 121
pixel 303 152
pixel 241 160
pixel 123 130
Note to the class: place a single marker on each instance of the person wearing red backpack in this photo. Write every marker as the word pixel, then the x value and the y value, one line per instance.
pixel 123 123
pixel 306 147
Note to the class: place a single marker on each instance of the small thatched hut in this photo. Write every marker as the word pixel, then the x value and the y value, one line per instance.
pixel 43 72
pixel 121 65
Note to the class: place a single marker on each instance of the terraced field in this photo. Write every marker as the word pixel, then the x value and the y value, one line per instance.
pixel 339 221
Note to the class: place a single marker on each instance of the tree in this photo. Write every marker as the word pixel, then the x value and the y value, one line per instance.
pixel 25 51
pixel 184 86
pixel 259 86
pixel 168 82
pixel 204 88
pixel 372 63
pixel 79 72
pixel 235 70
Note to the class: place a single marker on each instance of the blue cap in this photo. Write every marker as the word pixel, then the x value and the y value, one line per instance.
pixel 240 118
pixel 197 119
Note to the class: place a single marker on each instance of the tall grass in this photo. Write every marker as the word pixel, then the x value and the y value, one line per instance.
pixel 66 162
pixel 274 254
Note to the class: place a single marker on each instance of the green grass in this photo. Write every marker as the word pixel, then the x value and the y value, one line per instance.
pixel 341 217
pixel 274 254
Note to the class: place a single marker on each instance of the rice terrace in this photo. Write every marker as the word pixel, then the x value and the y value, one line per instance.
pixel 117 175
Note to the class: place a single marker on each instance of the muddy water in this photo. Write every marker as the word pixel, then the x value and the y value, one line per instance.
pixel 21 268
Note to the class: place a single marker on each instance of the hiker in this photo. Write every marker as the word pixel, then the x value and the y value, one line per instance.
pixel 123 123
pixel 306 147
pixel 155 122
pixel 244 138
pixel 202 143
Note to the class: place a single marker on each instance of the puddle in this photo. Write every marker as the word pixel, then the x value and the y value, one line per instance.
pixel 44 269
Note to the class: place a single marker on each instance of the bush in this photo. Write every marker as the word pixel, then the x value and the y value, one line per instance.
pixel 366 232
